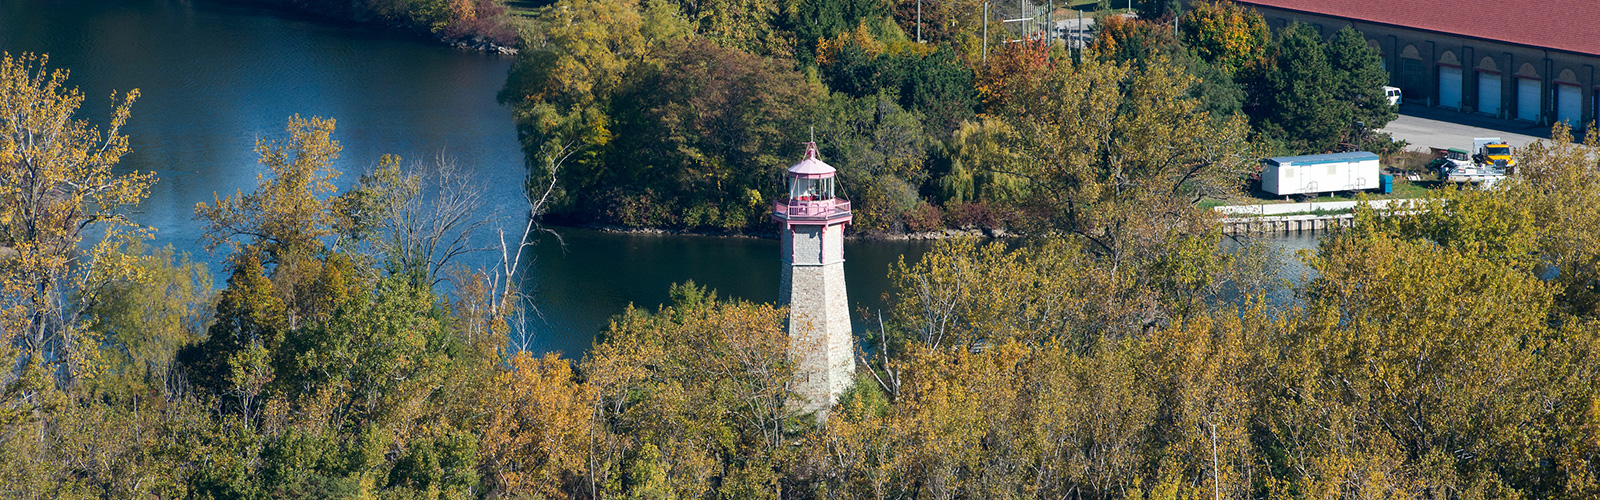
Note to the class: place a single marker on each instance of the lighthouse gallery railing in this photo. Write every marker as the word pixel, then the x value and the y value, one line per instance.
pixel 810 208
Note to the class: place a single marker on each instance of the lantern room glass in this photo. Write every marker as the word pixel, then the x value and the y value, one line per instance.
pixel 803 189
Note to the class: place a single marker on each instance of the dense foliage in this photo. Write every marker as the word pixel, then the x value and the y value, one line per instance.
pixel 1121 349
pixel 679 115
pixel 1441 350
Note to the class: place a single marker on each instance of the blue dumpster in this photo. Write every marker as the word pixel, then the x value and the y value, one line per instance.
pixel 1386 183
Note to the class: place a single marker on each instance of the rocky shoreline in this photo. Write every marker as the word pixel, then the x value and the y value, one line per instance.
pixel 479 44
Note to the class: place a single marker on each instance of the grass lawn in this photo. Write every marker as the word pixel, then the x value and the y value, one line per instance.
pixel 523 8
pixel 1403 189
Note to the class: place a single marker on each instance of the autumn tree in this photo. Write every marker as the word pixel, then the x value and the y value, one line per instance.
pixel 1008 72
pixel 1119 155
pixel 59 186
pixel 699 391
pixel 288 214
pixel 1225 34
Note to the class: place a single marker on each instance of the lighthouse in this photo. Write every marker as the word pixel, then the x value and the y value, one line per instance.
pixel 812 285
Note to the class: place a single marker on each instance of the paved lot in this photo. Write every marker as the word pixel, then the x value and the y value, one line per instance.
pixel 1424 127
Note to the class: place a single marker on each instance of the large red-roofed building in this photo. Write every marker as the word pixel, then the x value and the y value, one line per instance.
pixel 1529 60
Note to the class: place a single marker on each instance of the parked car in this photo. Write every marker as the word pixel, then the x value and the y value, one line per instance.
pixel 1392 94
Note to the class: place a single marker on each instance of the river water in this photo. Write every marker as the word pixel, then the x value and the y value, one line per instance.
pixel 216 77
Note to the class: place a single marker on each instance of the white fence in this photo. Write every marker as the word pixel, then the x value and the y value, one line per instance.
pixel 1290 208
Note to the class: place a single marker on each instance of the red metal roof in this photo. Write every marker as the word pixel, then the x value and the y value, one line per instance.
pixel 1568 25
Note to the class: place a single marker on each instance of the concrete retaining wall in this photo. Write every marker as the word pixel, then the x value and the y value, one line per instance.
pixel 1285 225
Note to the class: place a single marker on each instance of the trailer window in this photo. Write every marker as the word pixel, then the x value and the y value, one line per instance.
pixel 1333 169
pixel 1288 172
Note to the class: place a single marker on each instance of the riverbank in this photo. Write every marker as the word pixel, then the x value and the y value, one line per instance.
pixel 492 29
pixel 920 236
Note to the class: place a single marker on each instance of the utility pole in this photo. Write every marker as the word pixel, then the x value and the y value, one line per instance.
pixel 919 21
pixel 1022 13
pixel 1077 31
pixel 986 32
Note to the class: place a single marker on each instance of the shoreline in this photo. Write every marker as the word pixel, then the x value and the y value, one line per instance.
pixel 473 43
pixel 925 236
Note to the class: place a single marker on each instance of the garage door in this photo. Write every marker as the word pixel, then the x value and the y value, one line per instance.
pixel 1489 94
pixel 1527 99
pixel 1569 104
pixel 1450 87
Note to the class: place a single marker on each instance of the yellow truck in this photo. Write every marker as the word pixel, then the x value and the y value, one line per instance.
pixel 1493 151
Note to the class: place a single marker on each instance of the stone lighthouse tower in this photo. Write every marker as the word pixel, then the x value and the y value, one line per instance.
pixel 813 282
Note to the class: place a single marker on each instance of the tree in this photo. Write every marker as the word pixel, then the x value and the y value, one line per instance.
pixel 561 85
pixel 1296 102
pixel 1359 79
pixel 537 433
pixel 419 219
pixel 1225 34
pixel 882 149
pixel 1119 155
pixel 815 21
pixel 745 25
pixel 58 185
pixel 1139 42
pixel 288 214
pixel 144 319
pixel 706 132
pixel 1010 70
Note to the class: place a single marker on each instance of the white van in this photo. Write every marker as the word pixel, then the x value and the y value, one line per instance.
pixel 1392 94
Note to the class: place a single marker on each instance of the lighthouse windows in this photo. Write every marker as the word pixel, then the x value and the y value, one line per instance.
pixel 803 189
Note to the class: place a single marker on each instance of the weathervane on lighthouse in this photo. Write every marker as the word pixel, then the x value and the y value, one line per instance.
pixel 813 282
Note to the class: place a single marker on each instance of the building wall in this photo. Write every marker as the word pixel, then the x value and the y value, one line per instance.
pixel 1414 58
pixel 819 315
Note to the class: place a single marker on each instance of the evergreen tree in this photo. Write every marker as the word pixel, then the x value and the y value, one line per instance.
pixel 1298 105
pixel 1359 79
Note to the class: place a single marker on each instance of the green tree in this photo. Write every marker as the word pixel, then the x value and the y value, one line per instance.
pixel 144 320
pixel 1295 101
pixel 880 149
pixel 576 54
pixel 705 134
pixel 1359 79
pixel 1139 42
pixel 814 21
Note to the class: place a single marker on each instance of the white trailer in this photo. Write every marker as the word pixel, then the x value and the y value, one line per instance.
pixel 1326 173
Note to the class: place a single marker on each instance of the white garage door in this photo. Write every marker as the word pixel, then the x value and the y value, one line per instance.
pixel 1527 99
pixel 1489 94
pixel 1569 104
pixel 1450 87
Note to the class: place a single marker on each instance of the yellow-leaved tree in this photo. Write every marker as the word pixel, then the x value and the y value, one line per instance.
pixel 58 187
